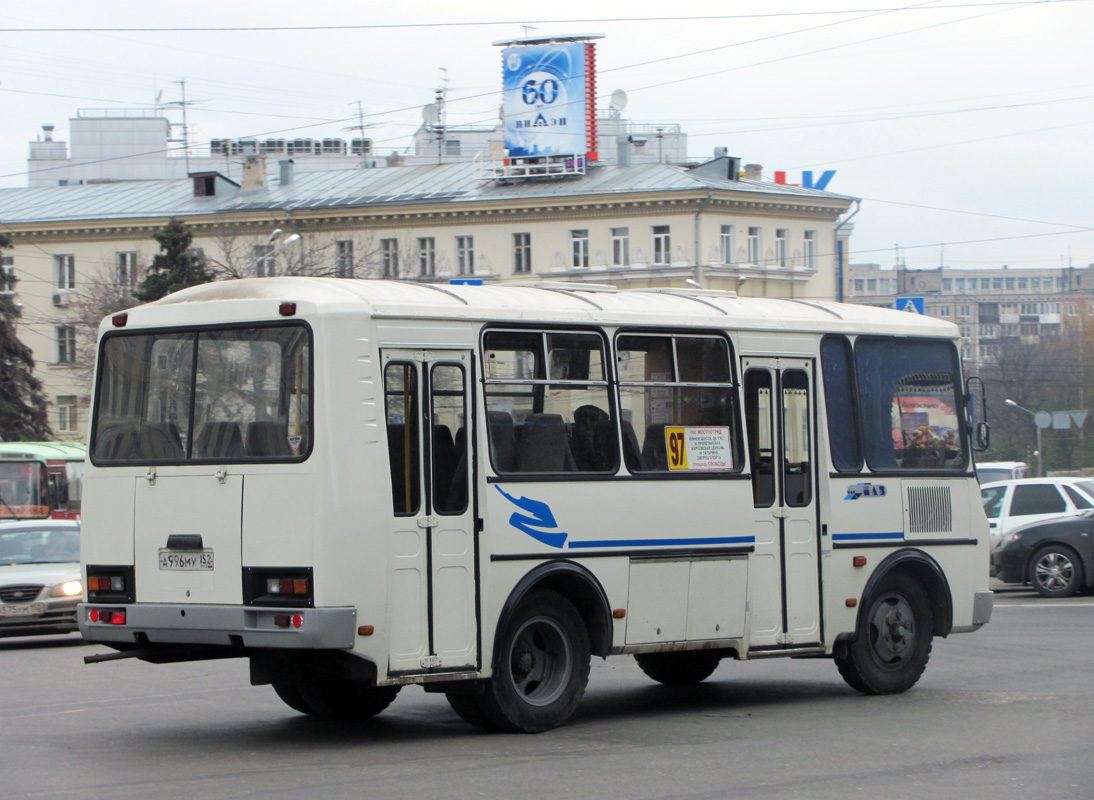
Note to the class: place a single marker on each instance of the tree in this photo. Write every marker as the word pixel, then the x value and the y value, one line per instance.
pixel 175 267
pixel 23 414
pixel 103 293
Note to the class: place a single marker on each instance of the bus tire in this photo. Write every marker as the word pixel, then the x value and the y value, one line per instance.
pixel 542 665
pixel 1055 571
pixel 468 706
pixel 678 669
pixel 891 648
pixel 336 697
pixel 290 695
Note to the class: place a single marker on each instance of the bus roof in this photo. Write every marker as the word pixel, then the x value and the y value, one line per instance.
pixel 63 451
pixel 257 299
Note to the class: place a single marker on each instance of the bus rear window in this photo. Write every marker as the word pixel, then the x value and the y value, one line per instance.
pixel 235 394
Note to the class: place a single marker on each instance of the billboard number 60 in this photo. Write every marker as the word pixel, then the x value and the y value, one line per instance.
pixel 535 92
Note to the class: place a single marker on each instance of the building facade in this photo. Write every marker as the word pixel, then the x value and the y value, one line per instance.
pixel 989 305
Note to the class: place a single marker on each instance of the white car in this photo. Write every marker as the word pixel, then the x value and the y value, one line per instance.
pixel 1010 504
pixel 992 471
pixel 40 582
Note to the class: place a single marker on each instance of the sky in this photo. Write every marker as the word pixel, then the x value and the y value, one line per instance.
pixel 963 125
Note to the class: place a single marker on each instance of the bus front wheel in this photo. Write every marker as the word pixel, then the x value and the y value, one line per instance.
pixel 542 665
pixel 891 648
pixel 678 669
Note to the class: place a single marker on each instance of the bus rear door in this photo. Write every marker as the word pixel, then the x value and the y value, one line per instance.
pixel 432 613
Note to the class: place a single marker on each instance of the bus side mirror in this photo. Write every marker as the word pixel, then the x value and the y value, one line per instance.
pixel 978 413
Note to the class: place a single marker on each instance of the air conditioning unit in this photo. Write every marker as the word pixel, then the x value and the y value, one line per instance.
pixel 61 299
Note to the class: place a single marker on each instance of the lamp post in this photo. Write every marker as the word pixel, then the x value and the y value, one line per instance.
pixel 280 246
pixel 1037 427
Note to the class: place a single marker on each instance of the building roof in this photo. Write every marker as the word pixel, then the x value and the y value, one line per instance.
pixel 392 186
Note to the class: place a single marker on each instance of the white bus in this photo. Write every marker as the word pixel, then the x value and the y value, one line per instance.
pixel 359 485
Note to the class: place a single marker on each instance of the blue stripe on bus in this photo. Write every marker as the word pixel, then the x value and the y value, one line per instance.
pixel 663 542
pixel 845 537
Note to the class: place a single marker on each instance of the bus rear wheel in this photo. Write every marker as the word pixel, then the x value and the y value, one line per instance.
pixel 290 696
pixel 678 669
pixel 542 665
pixel 891 648
pixel 336 697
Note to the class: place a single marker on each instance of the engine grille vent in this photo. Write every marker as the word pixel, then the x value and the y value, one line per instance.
pixel 930 509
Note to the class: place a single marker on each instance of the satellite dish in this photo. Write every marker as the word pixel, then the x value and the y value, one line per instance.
pixel 431 114
pixel 618 101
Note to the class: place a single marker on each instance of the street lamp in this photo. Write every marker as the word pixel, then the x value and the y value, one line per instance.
pixel 1037 427
pixel 270 255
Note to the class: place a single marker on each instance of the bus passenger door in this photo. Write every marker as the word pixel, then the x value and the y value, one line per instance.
pixel 784 586
pixel 432 611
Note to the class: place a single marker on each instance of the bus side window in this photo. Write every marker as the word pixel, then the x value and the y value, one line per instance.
pixel 401 402
pixel 761 436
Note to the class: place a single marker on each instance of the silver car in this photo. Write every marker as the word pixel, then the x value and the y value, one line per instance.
pixel 40 582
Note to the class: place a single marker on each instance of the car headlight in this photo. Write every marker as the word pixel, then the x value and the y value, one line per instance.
pixel 67 589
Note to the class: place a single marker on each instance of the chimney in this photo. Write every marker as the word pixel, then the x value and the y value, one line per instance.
pixel 721 152
pixel 623 145
pixel 48 131
pixel 254 173
pixel 754 172
pixel 286 165
pixel 396 160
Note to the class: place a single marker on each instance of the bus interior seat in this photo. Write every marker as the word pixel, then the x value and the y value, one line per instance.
pixel 632 453
pixel 266 438
pixel 589 452
pixel 157 441
pixel 544 445
pixel 456 499
pixel 219 439
pixel 503 440
pixel 397 452
pixel 654 454
pixel 444 464
pixel 117 442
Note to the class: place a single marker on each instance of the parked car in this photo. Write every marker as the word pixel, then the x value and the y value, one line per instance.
pixel 1010 504
pixel 1055 556
pixel 40 582
pixel 992 471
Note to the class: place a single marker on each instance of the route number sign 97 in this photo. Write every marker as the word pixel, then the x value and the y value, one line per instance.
pixel 695 449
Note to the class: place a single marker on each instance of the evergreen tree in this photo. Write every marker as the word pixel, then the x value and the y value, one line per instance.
pixel 23 414
pixel 175 266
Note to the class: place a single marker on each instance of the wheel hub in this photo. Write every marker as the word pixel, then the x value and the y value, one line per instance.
pixel 524 661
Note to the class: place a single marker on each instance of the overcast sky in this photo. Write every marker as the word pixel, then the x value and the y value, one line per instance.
pixel 965 127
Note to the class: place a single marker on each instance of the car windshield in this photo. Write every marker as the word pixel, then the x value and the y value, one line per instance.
pixel 39 546
pixel 992 498
pixel 993 474
pixel 1086 487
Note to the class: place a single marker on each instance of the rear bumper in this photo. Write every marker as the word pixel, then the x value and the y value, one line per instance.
pixel 322 628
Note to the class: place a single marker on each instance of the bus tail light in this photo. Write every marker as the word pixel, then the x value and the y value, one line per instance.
pixel 278 586
pixel 107 616
pixel 109 584
pixel 285 620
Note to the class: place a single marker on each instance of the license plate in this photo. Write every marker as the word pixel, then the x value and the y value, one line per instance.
pixel 22 609
pixel 186 560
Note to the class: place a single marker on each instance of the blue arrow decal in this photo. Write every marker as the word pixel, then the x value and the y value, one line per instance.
pixel 538 516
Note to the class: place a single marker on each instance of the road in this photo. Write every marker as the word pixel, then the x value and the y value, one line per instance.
pixel 1007 712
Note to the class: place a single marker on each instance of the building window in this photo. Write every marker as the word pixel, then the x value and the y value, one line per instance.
pixel 727 244
pixel 465 255
pixel 1022 283
pixel 1035 284
pixel 427 257
pixel 860 285
pixel 943 311
pixel 1059 284
pixel 65 270
pixel 965 310
pixel 66 344
pixel 263 260
pixel 66 413
pixel 452 147
pixel 579 248
pixel 7 274
pixel 947 284
pixel 343 253
pixel 389 257
pixel 1010 283
pixel 959 284
pixel 781 235
pixel 985 283
pixel 753 245
pixel 996 283
pixel 127 269
pixel 621 247
pixel 662 253
pixel 871 285
pixel 810 250
pixel 522 253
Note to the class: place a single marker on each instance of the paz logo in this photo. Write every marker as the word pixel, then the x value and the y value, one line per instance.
pixel 857 490
pixel 537 521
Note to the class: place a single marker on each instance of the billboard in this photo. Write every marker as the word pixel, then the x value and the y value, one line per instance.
pixel 549 100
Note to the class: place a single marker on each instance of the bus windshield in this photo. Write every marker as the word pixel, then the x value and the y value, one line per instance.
pixel 233 394
pixel 23 490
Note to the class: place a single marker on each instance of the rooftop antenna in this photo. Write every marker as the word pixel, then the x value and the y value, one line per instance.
pixel 436 118
pixel 361 126
pixel 183 103
pixel 527 28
